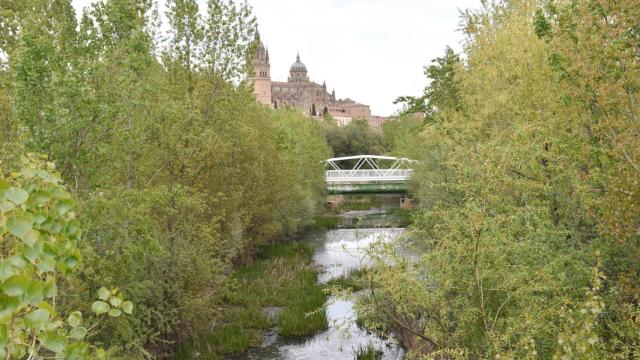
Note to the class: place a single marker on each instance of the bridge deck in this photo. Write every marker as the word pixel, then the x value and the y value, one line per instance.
pixel 367 176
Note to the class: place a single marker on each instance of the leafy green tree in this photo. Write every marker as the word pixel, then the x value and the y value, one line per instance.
pixel 177 172
pixel 443 90
pixel 40 234
pixel 523 164
pixel 356 138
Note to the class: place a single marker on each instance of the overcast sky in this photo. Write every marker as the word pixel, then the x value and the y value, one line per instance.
pixel 369 50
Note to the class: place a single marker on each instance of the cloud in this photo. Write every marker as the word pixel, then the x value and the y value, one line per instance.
pixel 369 50
pixel 372 51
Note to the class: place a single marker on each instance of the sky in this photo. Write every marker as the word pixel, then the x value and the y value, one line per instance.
pixel 371 51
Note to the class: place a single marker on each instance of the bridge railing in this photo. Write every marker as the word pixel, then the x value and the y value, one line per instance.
pixel 369 175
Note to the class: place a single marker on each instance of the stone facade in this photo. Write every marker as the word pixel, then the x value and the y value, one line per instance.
pixel 298 92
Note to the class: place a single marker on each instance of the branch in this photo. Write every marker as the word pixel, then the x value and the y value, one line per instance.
pixel 398 321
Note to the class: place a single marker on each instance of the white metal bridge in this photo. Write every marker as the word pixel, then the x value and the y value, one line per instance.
pixel 368 173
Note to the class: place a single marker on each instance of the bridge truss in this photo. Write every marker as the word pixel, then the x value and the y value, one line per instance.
pixel 368 169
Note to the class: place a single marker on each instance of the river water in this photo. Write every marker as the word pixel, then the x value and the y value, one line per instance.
pixel 337 252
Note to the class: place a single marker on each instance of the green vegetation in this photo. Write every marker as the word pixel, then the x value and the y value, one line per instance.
pixel 179 176
pixel 356 138
pixel 528 223
pixel 282 276
pixel 326 222
pixel 353 281
pixel 368 352
pixel 528 183
pixel 39 235
pixel 358 202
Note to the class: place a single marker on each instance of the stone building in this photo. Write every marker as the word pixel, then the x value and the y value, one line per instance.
pixel 299 92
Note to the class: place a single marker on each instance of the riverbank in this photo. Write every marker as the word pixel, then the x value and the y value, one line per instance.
pixel 278 290
pixel 364 211
pixel 278 307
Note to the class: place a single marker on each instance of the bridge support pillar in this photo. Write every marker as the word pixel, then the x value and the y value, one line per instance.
pixel 406 203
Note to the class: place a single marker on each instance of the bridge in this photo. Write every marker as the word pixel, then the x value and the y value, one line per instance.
pixel 368 174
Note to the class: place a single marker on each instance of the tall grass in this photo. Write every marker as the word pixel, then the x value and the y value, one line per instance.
pixel 355 280
pixel 282 275
pixel 368 352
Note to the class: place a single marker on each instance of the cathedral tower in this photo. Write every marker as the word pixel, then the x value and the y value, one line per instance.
pixel 262 74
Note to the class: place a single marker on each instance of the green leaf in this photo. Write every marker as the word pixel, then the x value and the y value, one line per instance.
pixel 55 325
pixel 101 354
pixel 127 307
pixel 4 185
pixel 52 341
pixel 41 198
pixel 37 319
pixel 115 312
pixel 18 261
pixel 78 332
pixel 72 228
pixel 16 285
pixel 46 306
pixel 17 196
pixel 104 293
pixel 6 270
pixel 20 225
pixel 35 292
pixel 39 218
pixel 18 351
pixel 99 307
pixel 43 174
pixel 31 253
pixel 8 305
pixel 47 264
pixel 50 288
pixel 28 173
pixel 64 206
pixel 31 237
pixel 75 319
pixel 4 335
pixel 71 262
pixel 6 206
pixel 78 351
pixel 115 301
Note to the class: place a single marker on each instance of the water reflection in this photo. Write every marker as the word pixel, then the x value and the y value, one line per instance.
pixel 338 252
pixel 341 251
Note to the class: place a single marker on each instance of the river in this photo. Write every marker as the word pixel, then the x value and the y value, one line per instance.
pixel 338 252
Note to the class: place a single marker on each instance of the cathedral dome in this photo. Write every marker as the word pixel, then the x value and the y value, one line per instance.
pixel 298 66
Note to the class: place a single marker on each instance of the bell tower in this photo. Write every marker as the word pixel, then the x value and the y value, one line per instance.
pixel 261 74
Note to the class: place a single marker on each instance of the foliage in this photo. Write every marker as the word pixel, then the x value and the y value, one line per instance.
pixel 443 91
pixel 368 352
pixel 178 174
pixel 528 169
pixel 281 278
pixel 356 138
pixel 40 235
pixel 400 136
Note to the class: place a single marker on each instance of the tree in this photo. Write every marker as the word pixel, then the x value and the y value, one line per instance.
pixel 442 91
pixel 356 138
pixel 177 172
pixel 518 180
pixel 40 235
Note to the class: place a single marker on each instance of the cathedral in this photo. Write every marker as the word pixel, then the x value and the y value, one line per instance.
pixel 300 93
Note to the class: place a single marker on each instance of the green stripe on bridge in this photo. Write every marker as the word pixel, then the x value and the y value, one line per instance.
pixel 368 188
